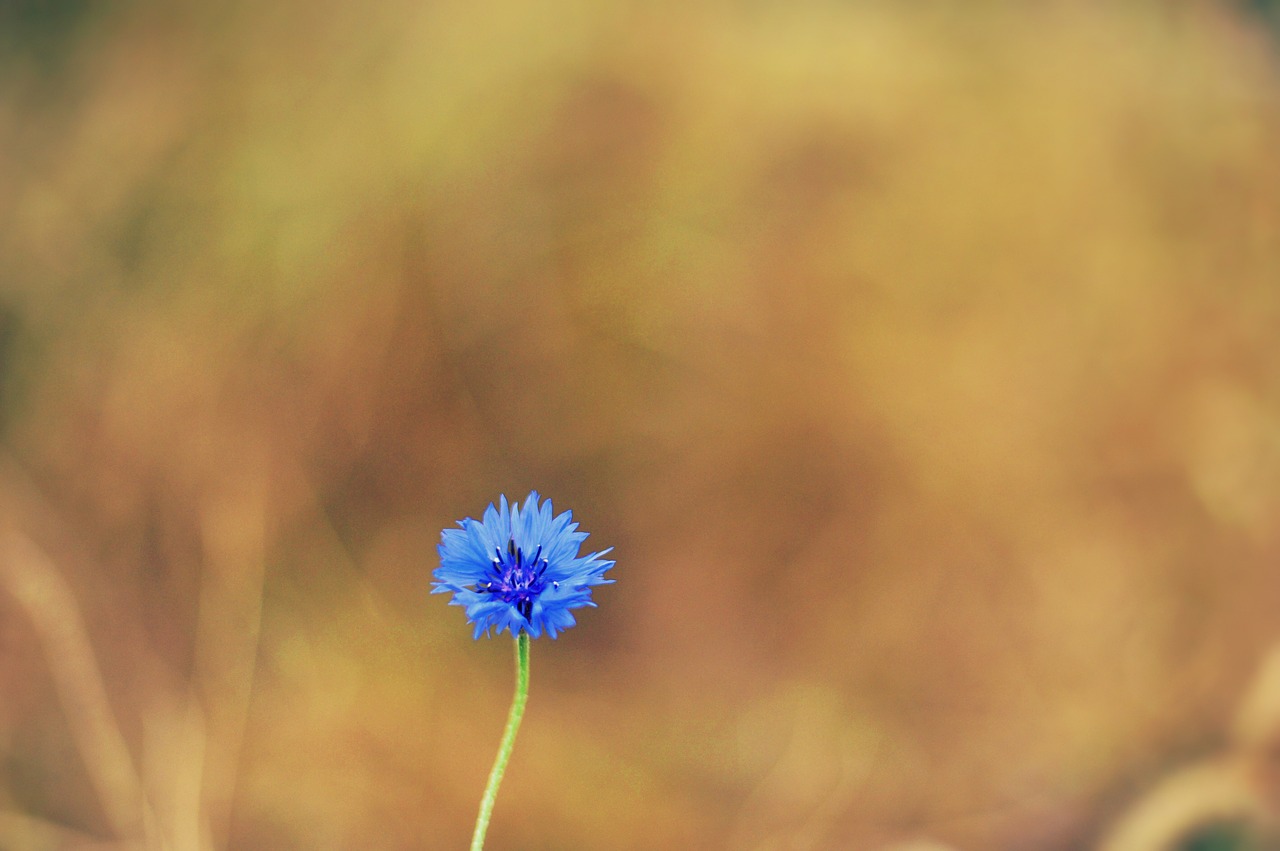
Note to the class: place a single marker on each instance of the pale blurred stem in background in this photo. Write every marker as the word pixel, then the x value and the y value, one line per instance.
pixel 233 526
pixel 194 744
pixel 508 742
pixel 183 795
pixel 37 585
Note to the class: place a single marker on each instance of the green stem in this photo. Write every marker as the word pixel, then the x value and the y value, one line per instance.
pixel 508 741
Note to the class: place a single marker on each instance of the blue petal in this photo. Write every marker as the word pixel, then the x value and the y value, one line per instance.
pixel 467 558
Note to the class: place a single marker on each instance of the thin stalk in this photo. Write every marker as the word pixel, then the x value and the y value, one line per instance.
pixel 508 742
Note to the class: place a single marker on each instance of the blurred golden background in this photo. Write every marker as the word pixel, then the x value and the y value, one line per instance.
pixel 919 359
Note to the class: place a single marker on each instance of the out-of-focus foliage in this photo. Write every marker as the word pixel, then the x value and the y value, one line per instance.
pixel 920 360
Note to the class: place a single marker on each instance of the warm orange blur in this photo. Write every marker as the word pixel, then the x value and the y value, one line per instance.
pixel 921 363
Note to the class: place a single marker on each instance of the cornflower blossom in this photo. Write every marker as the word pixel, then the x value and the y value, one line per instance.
pixel 519 568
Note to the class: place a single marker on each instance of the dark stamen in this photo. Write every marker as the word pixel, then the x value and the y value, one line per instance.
pixel 517 579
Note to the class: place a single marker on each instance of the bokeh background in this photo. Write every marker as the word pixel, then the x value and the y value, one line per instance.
pixel 919 359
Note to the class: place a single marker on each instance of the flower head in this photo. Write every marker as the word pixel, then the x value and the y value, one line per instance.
pixel 519 568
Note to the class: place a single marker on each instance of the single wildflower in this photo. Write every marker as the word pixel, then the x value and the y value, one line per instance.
pixel 519 569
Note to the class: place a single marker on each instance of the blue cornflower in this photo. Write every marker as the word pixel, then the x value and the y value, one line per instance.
pixel 519 568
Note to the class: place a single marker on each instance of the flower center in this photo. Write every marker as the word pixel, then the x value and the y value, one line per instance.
pixel 515 578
